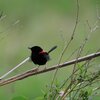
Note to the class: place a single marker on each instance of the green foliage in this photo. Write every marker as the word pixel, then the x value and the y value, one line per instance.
pixel 83 95
pixel 39 98
pixel 19 98
pixel 47 23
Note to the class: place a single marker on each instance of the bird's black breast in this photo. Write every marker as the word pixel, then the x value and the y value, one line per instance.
pixel 40 59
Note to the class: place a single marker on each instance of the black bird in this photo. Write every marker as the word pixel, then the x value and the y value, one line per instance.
pixel 39 56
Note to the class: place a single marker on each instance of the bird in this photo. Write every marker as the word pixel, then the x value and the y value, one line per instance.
pixel 39 56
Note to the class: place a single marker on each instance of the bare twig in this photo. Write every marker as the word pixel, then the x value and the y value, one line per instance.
pixel 39 71
pixel 24 61
pixel 69 42
pixel 1 14
pixel 80 49
pixel 5 32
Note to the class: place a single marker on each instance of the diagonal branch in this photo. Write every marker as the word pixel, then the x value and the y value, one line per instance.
pixel 39 71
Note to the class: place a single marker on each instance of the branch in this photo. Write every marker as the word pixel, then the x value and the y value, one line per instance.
pixel 39 71
pixel 69 42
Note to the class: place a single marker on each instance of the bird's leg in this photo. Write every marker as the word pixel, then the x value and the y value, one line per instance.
pixel 45 67
pixel 38 67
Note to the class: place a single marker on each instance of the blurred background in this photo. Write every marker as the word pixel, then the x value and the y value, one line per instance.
pixel 45 23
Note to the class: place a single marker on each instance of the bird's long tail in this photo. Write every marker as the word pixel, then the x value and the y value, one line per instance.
pixel 53 48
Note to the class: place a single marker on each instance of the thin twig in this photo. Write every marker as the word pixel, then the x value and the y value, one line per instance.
pixel 39 71
pixel 1 14
pixel 20 64
pixel 78 55
pixel 69 42
pixel 5 32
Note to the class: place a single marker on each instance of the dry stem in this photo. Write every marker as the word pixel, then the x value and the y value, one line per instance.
pixel 39 71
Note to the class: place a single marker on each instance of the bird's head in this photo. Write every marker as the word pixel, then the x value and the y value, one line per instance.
pixel 35 49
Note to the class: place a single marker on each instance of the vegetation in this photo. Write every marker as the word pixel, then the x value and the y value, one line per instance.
pixel 73 26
